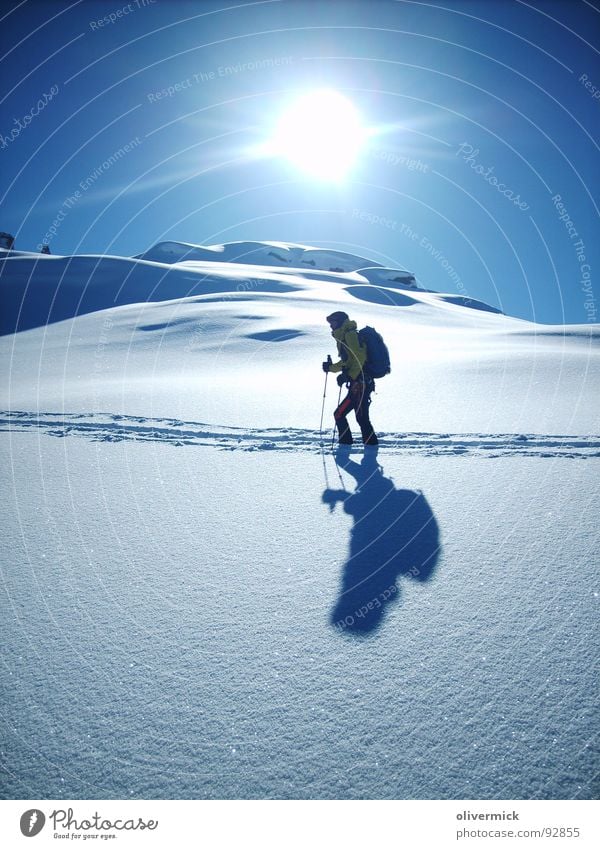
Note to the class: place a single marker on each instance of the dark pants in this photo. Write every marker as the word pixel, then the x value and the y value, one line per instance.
pixel 357 399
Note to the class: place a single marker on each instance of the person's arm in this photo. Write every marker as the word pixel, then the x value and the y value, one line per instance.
pixel 335 367
pixel 356 354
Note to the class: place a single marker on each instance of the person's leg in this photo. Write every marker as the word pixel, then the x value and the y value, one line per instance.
pixel 340 414
pixel 362 401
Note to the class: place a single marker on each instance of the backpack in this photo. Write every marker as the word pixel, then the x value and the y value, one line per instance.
pixel 378 356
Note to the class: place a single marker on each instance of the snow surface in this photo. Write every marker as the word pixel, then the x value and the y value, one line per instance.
pixel 259 253
pixel 200 603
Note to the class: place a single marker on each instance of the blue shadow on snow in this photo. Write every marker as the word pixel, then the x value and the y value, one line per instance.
pixel 381 295
pixel 394 534
pixel 275 335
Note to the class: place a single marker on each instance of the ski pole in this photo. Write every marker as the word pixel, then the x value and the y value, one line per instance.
pixel 323 406
pixel 333 431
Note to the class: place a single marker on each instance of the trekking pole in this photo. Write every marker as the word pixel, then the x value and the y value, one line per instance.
pixel 333 431
pixel 323 406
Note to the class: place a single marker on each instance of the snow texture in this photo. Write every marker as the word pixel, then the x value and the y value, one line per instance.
pixel 200 600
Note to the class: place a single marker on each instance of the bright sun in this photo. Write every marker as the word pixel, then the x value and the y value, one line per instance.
pixel 321 133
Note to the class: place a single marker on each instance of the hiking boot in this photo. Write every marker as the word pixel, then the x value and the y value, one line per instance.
pixel 370 440
pixel 344 432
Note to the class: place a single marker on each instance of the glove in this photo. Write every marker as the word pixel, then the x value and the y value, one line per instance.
pixel 326 365
pixel 341 379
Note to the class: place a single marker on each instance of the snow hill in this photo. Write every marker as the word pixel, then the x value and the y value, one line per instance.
pixel 171 328
pixel 201 603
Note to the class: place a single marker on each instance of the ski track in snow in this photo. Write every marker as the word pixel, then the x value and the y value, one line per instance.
pixel 107 427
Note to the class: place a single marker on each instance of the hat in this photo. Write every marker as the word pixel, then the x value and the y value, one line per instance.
pixel 339 317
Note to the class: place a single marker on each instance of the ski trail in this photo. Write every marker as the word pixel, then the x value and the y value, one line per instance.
pixel 107 427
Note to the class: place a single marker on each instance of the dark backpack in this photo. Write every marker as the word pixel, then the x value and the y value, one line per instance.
pixel 378 356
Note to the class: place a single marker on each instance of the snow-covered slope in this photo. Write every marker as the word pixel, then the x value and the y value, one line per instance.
pixel 200 604
pixel 233 334
pixel 259 253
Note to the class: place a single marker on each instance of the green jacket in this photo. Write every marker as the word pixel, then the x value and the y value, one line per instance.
pixel 352 354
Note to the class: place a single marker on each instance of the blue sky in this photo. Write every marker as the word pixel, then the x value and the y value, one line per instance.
pixel 126 123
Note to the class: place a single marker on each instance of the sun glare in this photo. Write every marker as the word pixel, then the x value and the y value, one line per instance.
pixel 321 134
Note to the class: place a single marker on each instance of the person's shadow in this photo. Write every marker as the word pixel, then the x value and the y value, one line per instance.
pixel 394 533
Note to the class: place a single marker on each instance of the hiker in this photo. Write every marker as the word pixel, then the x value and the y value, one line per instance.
pixel 360 385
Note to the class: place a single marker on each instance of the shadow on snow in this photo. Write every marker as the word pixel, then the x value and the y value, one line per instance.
pixel 394 534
